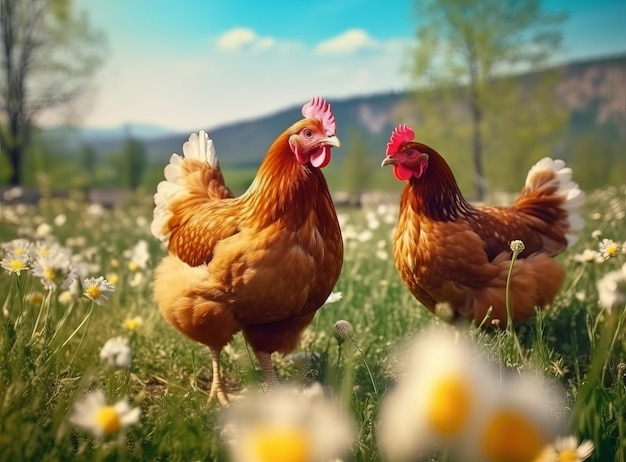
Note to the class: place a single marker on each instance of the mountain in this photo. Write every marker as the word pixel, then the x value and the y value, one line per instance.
pixel 593 91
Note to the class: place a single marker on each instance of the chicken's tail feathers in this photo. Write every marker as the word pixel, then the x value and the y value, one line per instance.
pixel 195 174
pixel 550 194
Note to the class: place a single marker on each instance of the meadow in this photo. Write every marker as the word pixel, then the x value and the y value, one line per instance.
pixel 52 337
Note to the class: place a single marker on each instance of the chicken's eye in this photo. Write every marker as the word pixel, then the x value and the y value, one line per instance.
pixel 410 153
pixel 308 133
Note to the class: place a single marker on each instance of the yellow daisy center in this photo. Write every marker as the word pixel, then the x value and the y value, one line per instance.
pixel 568 456
pixel 113 278
pixel 612 249
pixel 94 292
pixel 17 265
pixel 132 324
pixel 281 444
pixel 109 420
pixel 449 406
pixel 509 437
pixel 49 274
pixel 133 266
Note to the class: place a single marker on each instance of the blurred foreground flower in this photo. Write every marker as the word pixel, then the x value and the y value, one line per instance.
pixel 450 398
pixel 94 415
pixel 566 449
pixel 117 353
pixel 287 425
pixel 98 289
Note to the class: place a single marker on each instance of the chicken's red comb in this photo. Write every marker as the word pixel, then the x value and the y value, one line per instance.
pixel 400 135
pixel 318 108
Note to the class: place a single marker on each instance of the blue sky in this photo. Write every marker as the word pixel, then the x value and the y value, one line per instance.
pixel 187 64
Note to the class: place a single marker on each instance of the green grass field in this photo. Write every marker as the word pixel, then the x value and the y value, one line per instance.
pixel 51 339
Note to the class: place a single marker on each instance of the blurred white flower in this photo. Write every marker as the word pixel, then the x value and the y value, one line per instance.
pixel 588 256
pixel 448 397
pixel 612 289
pixel 287 425
pixel 333 297
pixel 133 323
pixel 116 353
pixel 43 230
pixel 65 297
pixel 138 256
pixel 98 289
pixel 54 269
pixel 94 415
pixel 18 247
pixel 595 234
pixel 382 254
pixel 60 219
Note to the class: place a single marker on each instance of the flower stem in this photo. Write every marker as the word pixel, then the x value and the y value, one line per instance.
pixel 509 313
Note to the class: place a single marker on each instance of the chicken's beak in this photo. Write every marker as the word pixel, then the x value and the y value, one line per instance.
pixel 388 161
pixel 331 140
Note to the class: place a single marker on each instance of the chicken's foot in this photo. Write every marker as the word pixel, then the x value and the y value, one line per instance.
pixel 217 389
pixel 265 360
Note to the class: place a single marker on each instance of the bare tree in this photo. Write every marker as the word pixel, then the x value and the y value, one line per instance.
pixel 48 53
pixel 465 44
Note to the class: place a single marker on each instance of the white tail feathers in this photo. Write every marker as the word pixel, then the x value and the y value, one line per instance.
pixel 199 147
pixel 573 196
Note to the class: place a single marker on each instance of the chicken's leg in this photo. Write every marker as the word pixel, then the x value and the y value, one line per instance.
pixel 265 360
pixel 217 390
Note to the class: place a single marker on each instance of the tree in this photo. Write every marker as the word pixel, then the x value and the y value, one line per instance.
pixel 135 159
pixel 47 55
pixel 464 45
pixel 357 168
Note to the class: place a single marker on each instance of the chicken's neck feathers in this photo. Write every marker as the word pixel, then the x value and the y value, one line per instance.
pixel 436 194
pixel 285 190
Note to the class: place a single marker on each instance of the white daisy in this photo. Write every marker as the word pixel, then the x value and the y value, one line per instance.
pixel 54 269
pixel 608 248
pixel 94 415
pixel 286 425
pixel 116 353
pixel 15 263
pixel 98 289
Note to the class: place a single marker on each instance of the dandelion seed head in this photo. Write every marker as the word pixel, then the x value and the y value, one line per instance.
pixel 517 246
pixel 342 330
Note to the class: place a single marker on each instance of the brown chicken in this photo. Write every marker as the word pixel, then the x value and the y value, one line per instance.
pixel 261 263
pixel 453 253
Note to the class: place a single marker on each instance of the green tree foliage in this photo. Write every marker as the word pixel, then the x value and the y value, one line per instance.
pixel 463 45
pixel 134 163
pixel 47 55
pixel 357 167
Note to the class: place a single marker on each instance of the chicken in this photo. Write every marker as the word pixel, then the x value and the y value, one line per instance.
pixel 450 252
pixel 261 263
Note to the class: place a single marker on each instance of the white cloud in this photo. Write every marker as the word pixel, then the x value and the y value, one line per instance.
pixel 351 41
pixel 241 38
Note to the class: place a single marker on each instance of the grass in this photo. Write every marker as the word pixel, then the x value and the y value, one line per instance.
pixel 49 345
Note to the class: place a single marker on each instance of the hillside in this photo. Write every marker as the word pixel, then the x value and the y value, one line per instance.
pixel 594 92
